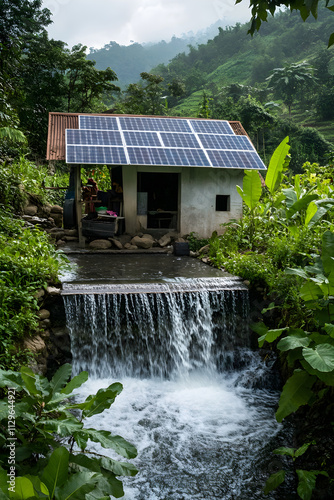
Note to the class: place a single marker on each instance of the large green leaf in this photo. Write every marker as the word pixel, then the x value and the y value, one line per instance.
pixel 76 382
pixel 310 291
pixel 56 472
pixel 276 165
pixel 296 392
pixel 321 358
pixel 29 378
pixel 60 377
pixel 11 379
pixel 91 464
pixel 118 468
pixel 327 378
pixel 270 336
pixel 63 427
pixel 329 328
pixel 306 485
pixel 252 188
pixel 301 204
pixel 310 213
pixel 296 272
pixel 99 402
pixel 274 481
pixel 107 440
pixel 24 489
pixel 293 341
pixel 110 485
pixel 77 486
pixel 328 252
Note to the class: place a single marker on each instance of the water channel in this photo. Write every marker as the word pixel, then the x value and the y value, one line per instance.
pixel 198 402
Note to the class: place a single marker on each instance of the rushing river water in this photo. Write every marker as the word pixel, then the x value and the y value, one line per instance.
pixel 197 402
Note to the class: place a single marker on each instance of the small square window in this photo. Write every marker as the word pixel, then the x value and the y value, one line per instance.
pixel 222 203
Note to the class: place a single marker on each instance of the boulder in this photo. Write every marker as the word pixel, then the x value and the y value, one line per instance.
pixel 35 344
pixel 30 210
pixel 148 236
pixel 142 242
pixel 41 292
pixel 43 314
pixel 125 238
pixel 165 240
pixel 100 244
pixel 56 209
pixel 52 290
pixel 116 243
pixel 128 246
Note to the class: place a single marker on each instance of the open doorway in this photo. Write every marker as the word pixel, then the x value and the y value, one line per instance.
pixel 158 199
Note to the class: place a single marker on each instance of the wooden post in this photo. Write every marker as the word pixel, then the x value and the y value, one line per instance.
pixel 78 203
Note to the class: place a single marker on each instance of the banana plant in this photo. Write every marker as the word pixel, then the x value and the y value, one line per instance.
pixel 52 456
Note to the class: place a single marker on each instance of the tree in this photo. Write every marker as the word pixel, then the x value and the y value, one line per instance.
pixel 145 97
pixel 84 83
pixel 287 81
pixel 260 9
pixel 19 19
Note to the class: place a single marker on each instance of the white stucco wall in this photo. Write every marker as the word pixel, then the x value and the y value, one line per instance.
pixel 198 190
pixel 199 187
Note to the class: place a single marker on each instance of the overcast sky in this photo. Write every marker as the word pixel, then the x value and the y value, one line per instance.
pixel 97 22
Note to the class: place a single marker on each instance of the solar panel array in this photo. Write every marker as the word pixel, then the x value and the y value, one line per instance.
pixel 138 140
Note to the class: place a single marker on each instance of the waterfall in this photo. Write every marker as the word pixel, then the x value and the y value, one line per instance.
pixel 157 334
pixel 198 402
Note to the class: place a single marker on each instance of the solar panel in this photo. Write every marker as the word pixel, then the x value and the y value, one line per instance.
pixel 164 156
pixel 102 155
pixel 98 122
pixel 154 124
pixel 236 159
pixel 165 141
pixel 93 137
pixel 180 140
pixel 212 127
pixel 240 142
pixel 142 139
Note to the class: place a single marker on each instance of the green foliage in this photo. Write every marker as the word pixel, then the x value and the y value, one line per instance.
pixel 196 243
pixel 45 419
pixel 27 262
pixel 252 189
pixel 261 8
pixel 277 165
pixel 145 97
pixel 306 479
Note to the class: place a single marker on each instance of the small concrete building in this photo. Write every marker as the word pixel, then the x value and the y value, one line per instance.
pixel 175 173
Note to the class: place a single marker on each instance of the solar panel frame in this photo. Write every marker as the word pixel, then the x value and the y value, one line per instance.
pixel 226 142
pixel 142 138
pixel 90 137
pixel 96 155
pixel 220 127
pixel 168 156
pixel 152 124
pixel 173 140
pixel 233 159
pixel 94 122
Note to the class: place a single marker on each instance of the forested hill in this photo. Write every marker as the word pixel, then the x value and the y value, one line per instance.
pixel 128 61
pixel 234 57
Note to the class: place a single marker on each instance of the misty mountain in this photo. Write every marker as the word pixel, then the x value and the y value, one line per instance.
pixel 128 61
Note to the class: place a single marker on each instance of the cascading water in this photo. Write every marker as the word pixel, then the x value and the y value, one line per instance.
pixel 197 401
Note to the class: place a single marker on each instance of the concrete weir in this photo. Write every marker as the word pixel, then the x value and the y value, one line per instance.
pixel 179 285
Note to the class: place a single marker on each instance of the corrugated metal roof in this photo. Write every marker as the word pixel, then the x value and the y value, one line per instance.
pixel 59 122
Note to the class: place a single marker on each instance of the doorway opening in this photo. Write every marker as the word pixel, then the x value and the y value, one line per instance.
pixel 157 197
